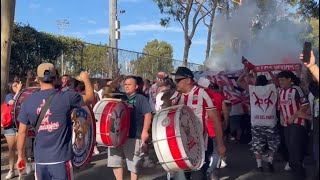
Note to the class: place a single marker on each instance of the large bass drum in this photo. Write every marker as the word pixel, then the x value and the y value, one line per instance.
pixel 177 139
pixel 83 135
pixel 113 122
pixel 17 106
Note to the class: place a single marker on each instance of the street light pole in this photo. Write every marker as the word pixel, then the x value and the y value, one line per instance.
pixel 62 25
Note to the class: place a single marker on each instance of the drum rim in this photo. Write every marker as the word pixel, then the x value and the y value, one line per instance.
pixel 93 141
pixel 115 103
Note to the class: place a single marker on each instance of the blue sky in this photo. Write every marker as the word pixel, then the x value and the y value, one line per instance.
pixel 89 22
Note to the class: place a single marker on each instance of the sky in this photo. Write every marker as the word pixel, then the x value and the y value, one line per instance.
pixel 89 22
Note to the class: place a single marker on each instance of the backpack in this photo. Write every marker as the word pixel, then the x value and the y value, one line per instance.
pixel 6 119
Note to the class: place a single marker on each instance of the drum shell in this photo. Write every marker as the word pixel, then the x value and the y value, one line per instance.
pixel 176 149
pixel 113 122
pixel 17 105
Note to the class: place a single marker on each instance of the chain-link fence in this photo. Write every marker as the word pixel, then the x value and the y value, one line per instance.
pixel 100 61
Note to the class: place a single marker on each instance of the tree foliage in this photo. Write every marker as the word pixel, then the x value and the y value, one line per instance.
pixel 95 59
pixel 188 14
pixel 30 48
pixel 157 57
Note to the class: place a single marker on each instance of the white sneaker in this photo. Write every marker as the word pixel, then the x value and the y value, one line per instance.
pixel 28 168
pixel 223 163
pixel 10 175
pixel 95 150
pixel 287 167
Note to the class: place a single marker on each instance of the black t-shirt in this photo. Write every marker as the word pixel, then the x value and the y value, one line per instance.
pixel 140 106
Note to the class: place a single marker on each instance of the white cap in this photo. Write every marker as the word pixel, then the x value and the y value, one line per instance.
pixel 204 82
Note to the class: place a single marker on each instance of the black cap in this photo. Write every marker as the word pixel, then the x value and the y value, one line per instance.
pixel 183 71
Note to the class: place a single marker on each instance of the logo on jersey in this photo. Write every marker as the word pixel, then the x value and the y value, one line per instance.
pixel 46 125
pixel 263 102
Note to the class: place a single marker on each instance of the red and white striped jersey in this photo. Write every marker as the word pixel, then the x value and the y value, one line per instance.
pixel 290 101
pixel 199 100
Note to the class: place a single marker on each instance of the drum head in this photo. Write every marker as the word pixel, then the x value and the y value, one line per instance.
pixel 17 106
pixel 83 135
pixel 190 129
pixel 113 122
pixel 178 139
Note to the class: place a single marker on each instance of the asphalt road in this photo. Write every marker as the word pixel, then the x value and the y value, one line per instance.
pixel 241 166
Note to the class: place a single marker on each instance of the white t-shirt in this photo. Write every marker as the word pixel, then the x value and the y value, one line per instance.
pixel 159 102
pixel 263 104
pixel 99 93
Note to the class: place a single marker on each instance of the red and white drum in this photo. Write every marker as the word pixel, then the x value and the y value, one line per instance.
pixel 17 106
pixel 113 122
pixel 177 139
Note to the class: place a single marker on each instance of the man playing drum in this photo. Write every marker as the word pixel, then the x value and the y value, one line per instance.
pixel 53 147
pixel 201 101
pixel 133 149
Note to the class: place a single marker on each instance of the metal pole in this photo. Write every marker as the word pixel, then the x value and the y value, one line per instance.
pixel 62 25
pixel 113 42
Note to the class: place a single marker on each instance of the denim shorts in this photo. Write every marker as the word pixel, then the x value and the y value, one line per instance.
pixel 9 131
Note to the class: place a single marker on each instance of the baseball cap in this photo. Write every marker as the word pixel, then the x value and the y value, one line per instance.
pixel 46 68
pixel 183 71
pixel 204 82
pixel 161 79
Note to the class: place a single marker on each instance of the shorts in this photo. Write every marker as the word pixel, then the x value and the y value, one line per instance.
pixel 130 153
pixel 61 171
pixel 262 136
pixel 235 122
pixel 9 131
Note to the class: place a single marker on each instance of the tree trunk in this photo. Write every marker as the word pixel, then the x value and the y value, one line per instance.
pixel 210 29
pixel 7 17
pixel 187 44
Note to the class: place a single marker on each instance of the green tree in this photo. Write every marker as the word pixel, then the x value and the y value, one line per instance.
pixel 157 57
pixel 95 59
pixel 30 48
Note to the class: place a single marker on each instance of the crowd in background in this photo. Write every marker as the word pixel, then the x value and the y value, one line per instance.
pixel 294 128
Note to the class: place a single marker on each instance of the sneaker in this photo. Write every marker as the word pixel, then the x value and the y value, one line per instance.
pixel 95 150
pixel 28 168
pixel 10 175
pixel 265 157
pixel 270 167
pixel 20 177
pixel 287 167
pixel 169 176
pixel 223 163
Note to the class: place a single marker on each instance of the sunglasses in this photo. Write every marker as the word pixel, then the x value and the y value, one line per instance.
pixel 178 80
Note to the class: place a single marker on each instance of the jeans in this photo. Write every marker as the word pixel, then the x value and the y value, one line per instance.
pixel 296 142
pixel 210 166
pixel 316 143
pixel 213 158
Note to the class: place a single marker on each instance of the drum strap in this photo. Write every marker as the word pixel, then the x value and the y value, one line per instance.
pixel 43 111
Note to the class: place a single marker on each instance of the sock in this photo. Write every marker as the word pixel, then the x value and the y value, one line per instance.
pixel 270 159
pixel 259 162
